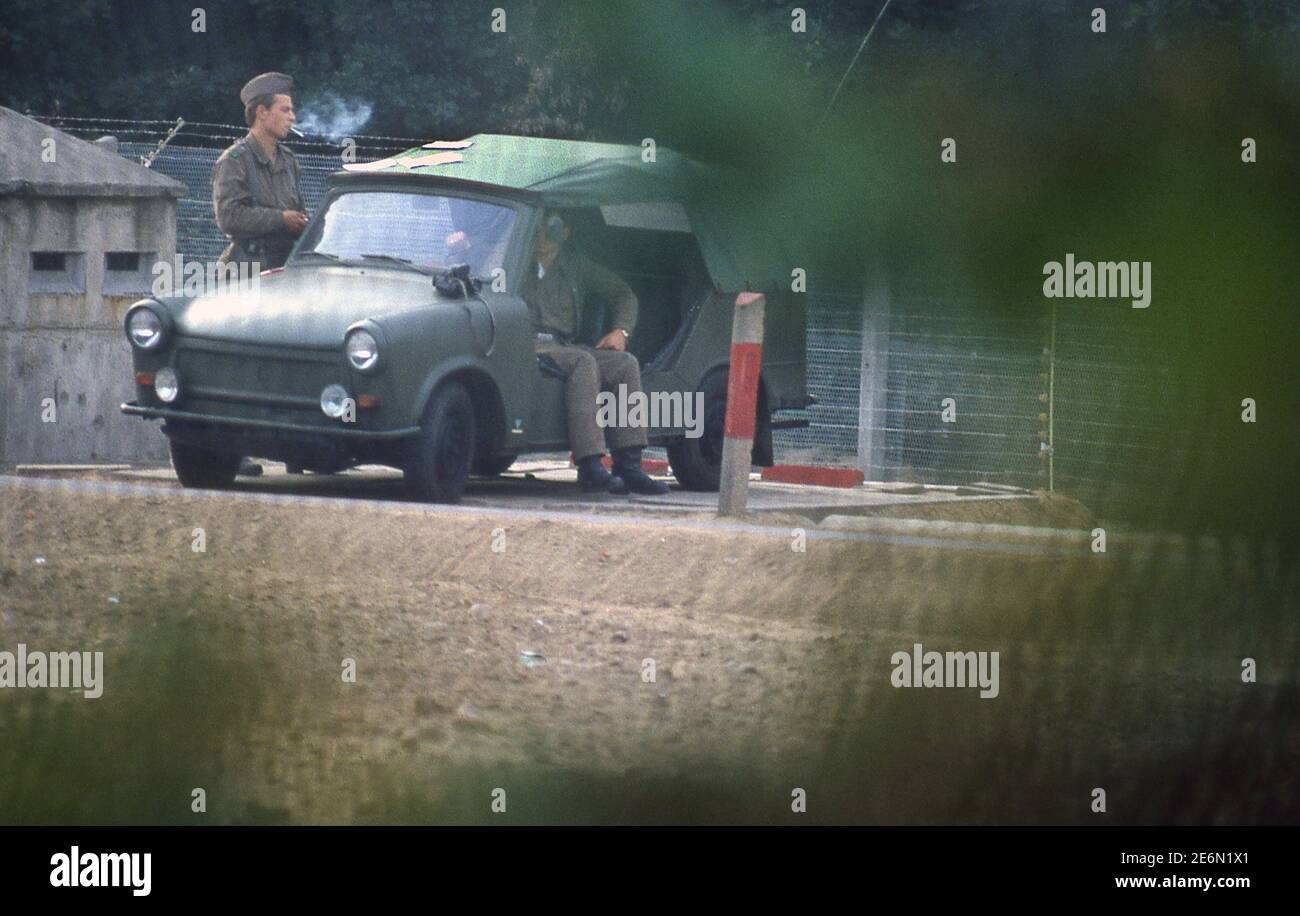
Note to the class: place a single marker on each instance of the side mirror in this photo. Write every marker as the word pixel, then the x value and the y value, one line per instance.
pixel 456 282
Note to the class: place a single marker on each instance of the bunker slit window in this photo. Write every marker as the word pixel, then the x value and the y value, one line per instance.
pixel 127 273
pixel 55 272
pixel 49 261
pixel 128 261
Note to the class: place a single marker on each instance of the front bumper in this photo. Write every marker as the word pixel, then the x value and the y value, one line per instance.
pixel 187 416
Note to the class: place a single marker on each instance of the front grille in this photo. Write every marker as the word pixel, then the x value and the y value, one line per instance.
pixel 280 386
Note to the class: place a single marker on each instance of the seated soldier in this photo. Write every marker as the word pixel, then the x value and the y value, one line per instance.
pixel 561 283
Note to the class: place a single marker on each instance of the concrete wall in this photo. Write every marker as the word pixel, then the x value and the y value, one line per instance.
pixel 70 346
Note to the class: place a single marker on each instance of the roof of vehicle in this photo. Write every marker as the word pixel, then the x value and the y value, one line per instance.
pixel 576 173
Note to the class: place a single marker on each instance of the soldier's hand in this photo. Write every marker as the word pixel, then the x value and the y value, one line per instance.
pixel 614 340
pixel 294 221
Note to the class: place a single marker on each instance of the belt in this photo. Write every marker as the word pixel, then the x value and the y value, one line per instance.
pixel 258 244
pixel 551 337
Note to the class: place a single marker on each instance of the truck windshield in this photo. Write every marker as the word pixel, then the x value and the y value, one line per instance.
pixel 428 231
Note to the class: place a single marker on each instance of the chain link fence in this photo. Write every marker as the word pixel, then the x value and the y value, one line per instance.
pixel 1064 399
pixel 187 151
pixel 1072 398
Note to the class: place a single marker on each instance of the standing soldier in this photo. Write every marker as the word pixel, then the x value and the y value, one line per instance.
pixel 256 187
pixel 256 184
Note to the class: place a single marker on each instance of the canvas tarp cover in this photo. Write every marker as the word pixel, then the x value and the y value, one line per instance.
pixel 740 248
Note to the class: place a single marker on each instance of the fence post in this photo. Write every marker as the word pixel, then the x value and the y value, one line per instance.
pixel 874 369
pixel 742 402
pixel 1051 407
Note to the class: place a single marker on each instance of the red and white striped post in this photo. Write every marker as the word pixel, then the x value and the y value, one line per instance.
pixel 742 402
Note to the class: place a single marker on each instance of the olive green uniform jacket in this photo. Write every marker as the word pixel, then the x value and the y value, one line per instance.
pixel 250 191
pixel 571 290
pixel 563 304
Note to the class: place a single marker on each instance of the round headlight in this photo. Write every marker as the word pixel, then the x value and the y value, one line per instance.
pixel 333 401
pixel 362 349
pixel 144 327
pixel 167 384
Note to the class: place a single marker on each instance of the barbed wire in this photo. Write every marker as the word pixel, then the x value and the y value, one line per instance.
pixel 239 129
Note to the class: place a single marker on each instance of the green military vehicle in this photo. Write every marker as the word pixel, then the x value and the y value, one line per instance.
pixel 395 333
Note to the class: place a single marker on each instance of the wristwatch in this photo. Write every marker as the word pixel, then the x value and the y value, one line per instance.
pixel 626 335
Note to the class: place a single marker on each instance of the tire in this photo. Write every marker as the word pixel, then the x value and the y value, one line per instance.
pixel 492 466
pixel 697 463
pixel 202 468
pixel 442 452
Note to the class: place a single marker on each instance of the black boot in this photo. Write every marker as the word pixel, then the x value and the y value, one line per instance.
pixel 627 465
pixel 593 478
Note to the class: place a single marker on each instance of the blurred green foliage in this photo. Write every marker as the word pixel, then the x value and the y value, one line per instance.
pixel 614 70
pixel 183 698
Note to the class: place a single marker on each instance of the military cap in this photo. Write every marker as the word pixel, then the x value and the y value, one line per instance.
pixel 266 84
pixel 554 227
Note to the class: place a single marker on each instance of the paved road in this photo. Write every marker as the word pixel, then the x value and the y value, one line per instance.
pixel 518 496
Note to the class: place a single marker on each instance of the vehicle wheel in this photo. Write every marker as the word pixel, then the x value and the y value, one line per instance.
pixel 203 468
pixel 491 467
pixel 441 454
pixel 697 463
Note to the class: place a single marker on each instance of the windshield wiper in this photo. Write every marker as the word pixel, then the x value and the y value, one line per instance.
pixel 319 254
pixel 394 259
